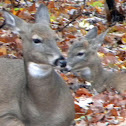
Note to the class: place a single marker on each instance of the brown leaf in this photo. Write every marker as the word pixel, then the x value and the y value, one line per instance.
pixel 78 108
pixel 32 8
pixel 24 14
pixel 89 111
pixel 109 59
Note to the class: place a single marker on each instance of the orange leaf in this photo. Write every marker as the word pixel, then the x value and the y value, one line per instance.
pixel 79 111
pixel 114 112
pixel 83 91
pixel 7 1
pixel 51 4
pixel 98 9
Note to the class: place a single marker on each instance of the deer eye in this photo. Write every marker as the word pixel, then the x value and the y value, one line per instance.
pixel 37 40
pixel 80 54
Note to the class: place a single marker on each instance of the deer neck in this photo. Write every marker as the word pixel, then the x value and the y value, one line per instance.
pixel 100 76
pixel 41 83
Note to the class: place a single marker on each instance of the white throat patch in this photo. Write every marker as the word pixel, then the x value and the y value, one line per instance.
pixel 38 70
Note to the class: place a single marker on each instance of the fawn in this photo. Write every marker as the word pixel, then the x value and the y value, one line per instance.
pixel 83 59
pixel 32 93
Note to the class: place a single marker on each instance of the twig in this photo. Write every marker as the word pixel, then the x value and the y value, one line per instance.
pixel 61 29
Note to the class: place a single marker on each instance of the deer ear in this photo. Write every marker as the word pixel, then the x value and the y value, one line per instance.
pixel 92 33
pixel 42 14
pixel 99 40
pixel 13 21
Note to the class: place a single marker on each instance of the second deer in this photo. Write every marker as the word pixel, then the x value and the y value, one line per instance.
pixel 83 58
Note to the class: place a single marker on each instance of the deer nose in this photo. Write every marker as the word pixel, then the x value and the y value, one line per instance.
pixel 66 69
pixel 60 62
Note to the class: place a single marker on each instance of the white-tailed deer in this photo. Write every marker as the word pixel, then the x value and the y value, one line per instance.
pixel 83 58
pixel 31 91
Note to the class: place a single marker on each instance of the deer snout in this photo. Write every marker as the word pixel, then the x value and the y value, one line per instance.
pixel 60 62
pixel 67 69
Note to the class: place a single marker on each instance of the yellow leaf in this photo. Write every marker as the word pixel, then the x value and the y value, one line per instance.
pixel 124 40
pixel 3 50
pixel 84 24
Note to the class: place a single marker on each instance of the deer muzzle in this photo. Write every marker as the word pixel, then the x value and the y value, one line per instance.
pixel 60 62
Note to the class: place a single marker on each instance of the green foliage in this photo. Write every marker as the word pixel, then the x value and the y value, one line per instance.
pixel 97 4
pixel 1 4
pixel 16 9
